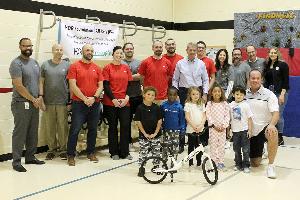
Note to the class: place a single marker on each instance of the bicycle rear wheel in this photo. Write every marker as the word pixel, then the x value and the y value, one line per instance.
pixel 210 171
pixel 149 165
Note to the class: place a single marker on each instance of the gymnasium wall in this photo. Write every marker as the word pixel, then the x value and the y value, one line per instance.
pixel 210 21
pixel 21 19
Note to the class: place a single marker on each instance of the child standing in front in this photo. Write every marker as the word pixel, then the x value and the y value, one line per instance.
pixel 149 119
pixel 195 117
pixel 241 126
pixel 173 120
pixel 218 117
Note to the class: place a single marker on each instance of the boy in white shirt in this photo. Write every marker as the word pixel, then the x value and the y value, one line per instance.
pixel 241 126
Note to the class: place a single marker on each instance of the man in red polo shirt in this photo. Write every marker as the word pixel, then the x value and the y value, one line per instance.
pixel 156 71
pixel 86 84
pixel 173 57
pixel 209 63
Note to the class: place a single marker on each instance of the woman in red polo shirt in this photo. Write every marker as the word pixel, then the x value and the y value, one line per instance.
pixel 116 106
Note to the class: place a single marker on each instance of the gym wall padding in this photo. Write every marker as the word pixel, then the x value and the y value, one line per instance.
pixel 292 110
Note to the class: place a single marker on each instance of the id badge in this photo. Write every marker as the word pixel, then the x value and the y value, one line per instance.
pixel 26 104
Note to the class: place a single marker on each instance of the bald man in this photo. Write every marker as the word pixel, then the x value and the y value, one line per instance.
pixel 156 71
pixel 86 85
pixel 55 92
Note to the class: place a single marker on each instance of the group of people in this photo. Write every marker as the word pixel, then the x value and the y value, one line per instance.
pixel 166 94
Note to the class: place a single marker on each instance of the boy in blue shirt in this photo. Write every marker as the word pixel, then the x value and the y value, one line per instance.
pixel 173 120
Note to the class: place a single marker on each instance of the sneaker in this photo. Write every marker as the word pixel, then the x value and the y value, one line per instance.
pixel 71 161
pixel 129 157
pixel 246 170
pixel 115 157
pixel 237 168
pixel 50 156
pixel 271 172
pixel 141 172
pixel 92 157
pixel 221 167
pixel 63 156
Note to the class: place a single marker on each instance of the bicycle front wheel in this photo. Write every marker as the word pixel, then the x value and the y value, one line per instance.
pixel 149 165
pixel 210 171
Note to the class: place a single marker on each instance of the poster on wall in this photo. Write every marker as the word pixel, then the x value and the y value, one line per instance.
pixel 72 35
pixel 267 29
pixel 211 51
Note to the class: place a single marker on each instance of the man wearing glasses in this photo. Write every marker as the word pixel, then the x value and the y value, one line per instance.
pixel 134 87
pixel 241 69
pixel 26 101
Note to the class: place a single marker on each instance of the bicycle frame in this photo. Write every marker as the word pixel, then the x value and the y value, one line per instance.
pixel 178 165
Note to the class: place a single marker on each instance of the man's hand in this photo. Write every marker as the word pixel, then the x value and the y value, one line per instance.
pixel 123 102
pixel 116 102
pixel 281 99
pixel 36 102
pixel 42 104
pixel 270 130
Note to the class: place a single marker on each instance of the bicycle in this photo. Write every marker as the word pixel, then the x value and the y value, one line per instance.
pixel 155 168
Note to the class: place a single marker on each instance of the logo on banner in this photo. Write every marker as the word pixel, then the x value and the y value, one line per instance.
pixel 73 35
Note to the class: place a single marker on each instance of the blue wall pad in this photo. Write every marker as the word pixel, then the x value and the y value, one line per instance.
pixel 292 110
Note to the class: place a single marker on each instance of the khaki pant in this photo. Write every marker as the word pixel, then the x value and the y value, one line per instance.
pixel 56 127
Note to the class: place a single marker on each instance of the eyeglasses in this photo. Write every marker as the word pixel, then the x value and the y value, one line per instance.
pixel 27 46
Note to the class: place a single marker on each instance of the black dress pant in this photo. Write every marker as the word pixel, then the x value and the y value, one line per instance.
pixel 115 115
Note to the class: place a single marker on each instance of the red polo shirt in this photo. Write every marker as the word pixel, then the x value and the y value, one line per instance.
pixel 87 76
pixel 118 77
pixel 210 66
pixel 156 74
pixel 173 59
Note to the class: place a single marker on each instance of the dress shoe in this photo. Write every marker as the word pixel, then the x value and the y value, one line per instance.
pixel 19 168
pixel 35 162
pixel 50 156
pixel 63 156
pixel 71 161
pixel 92 157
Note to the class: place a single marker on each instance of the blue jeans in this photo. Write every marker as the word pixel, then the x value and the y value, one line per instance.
pixel 81 113
pixel 280 124
pixel 241 142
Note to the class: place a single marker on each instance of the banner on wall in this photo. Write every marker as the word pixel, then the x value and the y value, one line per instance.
pixel 267 29
pixel 72 35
